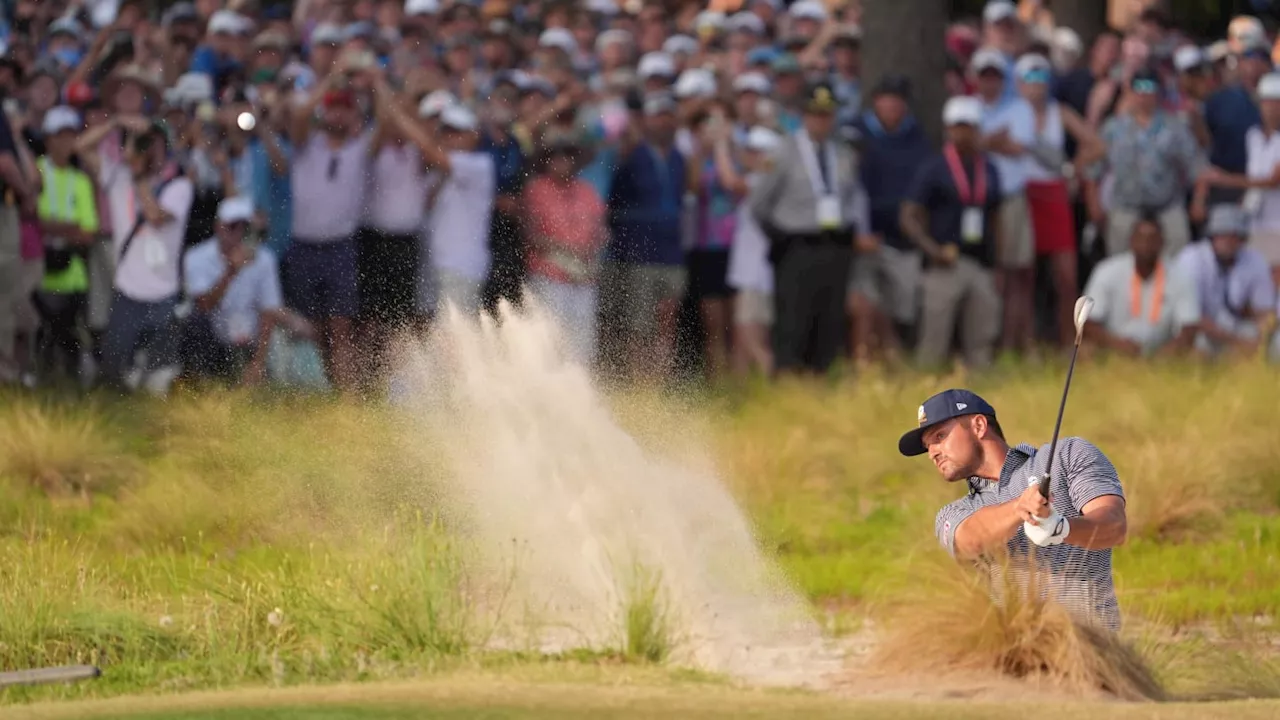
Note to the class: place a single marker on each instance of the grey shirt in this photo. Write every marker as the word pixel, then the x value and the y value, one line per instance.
pixel 1080 579
pixel 785 197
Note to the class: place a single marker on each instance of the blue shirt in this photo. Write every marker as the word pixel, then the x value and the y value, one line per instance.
pixel 889 162
pixel 645 208
pixel 936 191
pixel 508 164
pixel 205 60
pixel 273 194
pixel 1229 113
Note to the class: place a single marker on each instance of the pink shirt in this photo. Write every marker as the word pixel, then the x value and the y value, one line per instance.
pixel 571 217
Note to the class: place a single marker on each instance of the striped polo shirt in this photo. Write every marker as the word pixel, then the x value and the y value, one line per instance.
pixel 1077 578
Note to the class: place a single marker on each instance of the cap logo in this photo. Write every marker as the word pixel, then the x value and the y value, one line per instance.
pixel 961 406
pixel 921 417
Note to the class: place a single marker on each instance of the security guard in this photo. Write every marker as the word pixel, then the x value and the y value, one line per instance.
pixel 813 209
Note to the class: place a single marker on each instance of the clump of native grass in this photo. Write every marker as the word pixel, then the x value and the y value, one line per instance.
pixel 648 629
pixel 61 450
pixel 953 623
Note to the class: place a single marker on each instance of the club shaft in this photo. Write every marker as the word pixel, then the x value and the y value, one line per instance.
pixel 1057 426
pixel 66 673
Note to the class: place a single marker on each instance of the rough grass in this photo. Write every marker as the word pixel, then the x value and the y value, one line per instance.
pixel 221 539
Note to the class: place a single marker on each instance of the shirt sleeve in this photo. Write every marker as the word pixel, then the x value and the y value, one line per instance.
pixel 199 276
pixel 1188 151
pixel 921 188
pixel 272 298
pixel 949 518
pixel 86 205
pixel 1090 475
pixel 1185 299
pixel 1097 288
pixel 176 200
pixel 1262 293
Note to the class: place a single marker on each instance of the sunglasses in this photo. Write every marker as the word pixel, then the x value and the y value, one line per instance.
pixel 1038 77
pixel 1145 87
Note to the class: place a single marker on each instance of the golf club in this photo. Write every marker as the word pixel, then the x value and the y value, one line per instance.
pixel 1083 306
pixel 37 676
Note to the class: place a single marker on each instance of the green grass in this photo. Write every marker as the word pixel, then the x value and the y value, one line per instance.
pixel 224 540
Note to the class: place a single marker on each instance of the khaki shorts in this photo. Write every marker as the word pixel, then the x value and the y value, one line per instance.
pixel 890 279
pixel 1019 250
pixel 635 290
pixel 752 307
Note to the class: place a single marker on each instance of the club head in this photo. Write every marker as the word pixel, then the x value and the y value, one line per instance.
pixel 1084 306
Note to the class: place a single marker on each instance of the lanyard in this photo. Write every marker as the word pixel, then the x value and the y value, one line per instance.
pixel 1157 295
pixel 977 195
pixel 810 159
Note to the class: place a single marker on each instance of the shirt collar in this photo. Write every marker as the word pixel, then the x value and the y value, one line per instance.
pixel 1017 456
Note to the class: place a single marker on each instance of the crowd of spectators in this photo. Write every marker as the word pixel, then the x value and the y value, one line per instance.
pixel 260 192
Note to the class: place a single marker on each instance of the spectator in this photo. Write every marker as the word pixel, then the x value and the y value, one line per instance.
pixel 68 217
pixel 235 287
pixel 1074 86
pixel 717 182
pixel 1195 85
pixel 1154 160
pixel 463 211
pixel 328 176
pixel 749 273
pixel 644 272
pixel 1142 305
pixel 225 47
pixel 1009 131
pixel 566 229
pixel 894 146
pixel 150 200
pixel 1230 112
pixel 1234 287
pixel 18 198
pixel 952 215
pixel 1048 195
pixel 813 208
pixel 1003 32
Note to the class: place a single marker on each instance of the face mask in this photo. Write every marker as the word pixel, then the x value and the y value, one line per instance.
pixel 68 57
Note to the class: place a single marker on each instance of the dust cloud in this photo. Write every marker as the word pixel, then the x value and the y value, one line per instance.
pixel 549 485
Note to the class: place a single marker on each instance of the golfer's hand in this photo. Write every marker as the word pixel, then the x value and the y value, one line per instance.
pixel 1031 506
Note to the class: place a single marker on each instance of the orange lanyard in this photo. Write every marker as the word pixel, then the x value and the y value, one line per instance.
pixel 1157 295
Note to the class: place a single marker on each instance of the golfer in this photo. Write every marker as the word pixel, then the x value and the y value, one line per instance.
pixel 1075 529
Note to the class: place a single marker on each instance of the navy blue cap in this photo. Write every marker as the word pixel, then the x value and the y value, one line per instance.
pixel 944 406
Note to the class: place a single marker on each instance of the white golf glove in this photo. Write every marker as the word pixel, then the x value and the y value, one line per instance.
pixel 1052 530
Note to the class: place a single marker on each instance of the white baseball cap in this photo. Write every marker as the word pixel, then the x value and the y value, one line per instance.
pixel 603 7
pixel 762 139
pixel 421 7
pixel 60 118
pixel 1067 40
pixel 458 117
pixel 656 64
pixel 752 82
pixel 808 10
pixel 1030 63
pixel 680 45
pixel 988 58
pixel 229 22
pixel 435 102
pixel 998 10
pixel 695 82
pixel 709 20
pixel 746 21
pixel 1189 57
pixel 614 36
pixel 326 34
pixel 237 208
pixel 962 110
pixel 1245 31
pixel 559 38
pixel 1269 86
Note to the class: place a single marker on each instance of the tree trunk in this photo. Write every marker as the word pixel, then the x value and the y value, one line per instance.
pixel 1087 17
pixel 906 37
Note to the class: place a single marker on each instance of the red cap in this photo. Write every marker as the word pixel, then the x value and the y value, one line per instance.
pixel 79 93
pixel 339 98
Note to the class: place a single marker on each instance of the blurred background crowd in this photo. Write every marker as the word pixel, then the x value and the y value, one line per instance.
pixel 250 192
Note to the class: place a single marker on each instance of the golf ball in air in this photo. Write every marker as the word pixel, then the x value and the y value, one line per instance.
pixel 246 121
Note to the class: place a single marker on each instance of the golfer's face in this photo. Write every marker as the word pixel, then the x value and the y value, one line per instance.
pixel 953 448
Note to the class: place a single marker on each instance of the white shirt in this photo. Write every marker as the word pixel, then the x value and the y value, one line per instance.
pixel 749 267
pixel 1111 285
pixel 148 272
pixel 460 220
pixel 255 290
pixel 397 191
pixel 328 188
pixel 1051 135
pixel 1019 118
pixel 1264 156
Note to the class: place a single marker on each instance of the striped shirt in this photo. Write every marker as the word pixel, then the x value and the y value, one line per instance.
pixel 1079 579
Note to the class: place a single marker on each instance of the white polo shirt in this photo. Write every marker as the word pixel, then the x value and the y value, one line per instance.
pixel 328 188
pixel 397 191
pixel 1016 115
pixel 148 272
pixel 460 219
pixel 1263 157
pixel 255 290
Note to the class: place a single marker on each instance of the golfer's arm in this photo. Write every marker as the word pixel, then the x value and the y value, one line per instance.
pixel 1103 524
pixel 987 529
